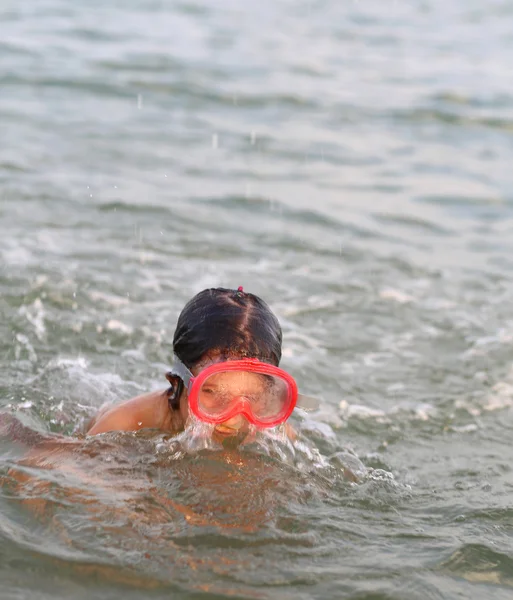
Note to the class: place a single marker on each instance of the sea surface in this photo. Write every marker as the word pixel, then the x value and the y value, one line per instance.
pixel 348 161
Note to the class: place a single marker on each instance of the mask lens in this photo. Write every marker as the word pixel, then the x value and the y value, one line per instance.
pixel 267 396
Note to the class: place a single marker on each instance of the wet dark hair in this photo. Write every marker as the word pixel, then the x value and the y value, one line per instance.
pixel 228 322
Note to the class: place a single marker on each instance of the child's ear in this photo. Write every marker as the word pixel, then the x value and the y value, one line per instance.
pixel 172 378
pixel 175 391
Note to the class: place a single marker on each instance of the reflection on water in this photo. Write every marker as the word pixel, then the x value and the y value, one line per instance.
pixel 127 499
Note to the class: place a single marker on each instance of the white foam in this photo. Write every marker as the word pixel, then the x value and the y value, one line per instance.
pixel 110 299
pixel 115 325
pixel 501 397
pixel 418 412
pixel 464 428
pixel 60 361
pixel 358 410
pixel 424 411
pixel 24 341
pixel 35 315
pixel 313 303
pixel 26 404
pixel 397 295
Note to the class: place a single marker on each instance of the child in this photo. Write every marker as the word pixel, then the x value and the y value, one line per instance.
pixel 227 348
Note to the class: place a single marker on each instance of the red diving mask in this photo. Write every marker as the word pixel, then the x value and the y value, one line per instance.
pixel 266 395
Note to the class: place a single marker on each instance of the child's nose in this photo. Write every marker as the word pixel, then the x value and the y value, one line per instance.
pixel 236 422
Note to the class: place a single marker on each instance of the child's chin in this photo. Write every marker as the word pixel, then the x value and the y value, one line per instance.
pixel 228 433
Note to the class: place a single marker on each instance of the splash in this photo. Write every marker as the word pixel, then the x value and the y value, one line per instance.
pixel 199 436
pixel 196 436
pixel 275 443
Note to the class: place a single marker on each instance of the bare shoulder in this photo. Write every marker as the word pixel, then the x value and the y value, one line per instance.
pixel 146 411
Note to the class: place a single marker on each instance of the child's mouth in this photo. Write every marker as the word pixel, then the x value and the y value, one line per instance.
pixel 226 431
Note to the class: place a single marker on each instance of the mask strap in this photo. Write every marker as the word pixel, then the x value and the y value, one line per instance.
pixel 181 371
pixel 307 402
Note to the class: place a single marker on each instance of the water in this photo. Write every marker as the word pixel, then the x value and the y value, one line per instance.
pixel 349 162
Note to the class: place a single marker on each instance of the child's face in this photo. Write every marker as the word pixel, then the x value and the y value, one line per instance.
pixel 221 388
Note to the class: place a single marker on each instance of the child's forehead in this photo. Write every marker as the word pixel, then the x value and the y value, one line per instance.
pixel 214 357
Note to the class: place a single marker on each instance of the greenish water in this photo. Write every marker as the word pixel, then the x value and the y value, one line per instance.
pixel 348 161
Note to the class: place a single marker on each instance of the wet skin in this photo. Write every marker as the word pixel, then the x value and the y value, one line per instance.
pixel 152 410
